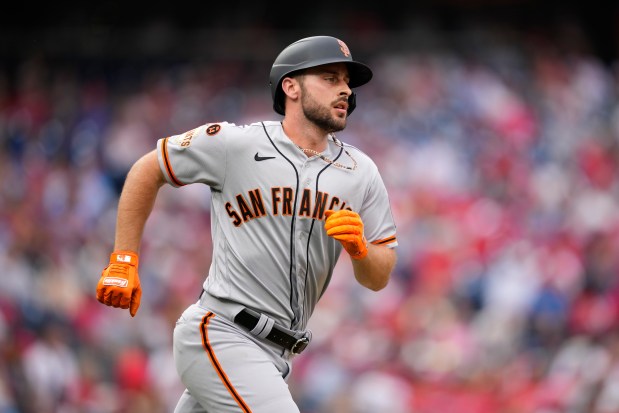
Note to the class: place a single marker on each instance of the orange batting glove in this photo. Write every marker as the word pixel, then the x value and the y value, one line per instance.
pixel 119 285
pixel 346 227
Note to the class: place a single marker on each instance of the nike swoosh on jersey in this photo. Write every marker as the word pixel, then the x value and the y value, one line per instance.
pixel 259 158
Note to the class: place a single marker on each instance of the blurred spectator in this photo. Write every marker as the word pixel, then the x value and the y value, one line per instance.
pixel 51 368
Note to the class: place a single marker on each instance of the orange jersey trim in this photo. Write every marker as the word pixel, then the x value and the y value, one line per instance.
pixel 168 165
pixel 384 241
pixel 220 371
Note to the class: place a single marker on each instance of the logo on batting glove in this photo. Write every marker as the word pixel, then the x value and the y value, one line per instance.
pixel 116 282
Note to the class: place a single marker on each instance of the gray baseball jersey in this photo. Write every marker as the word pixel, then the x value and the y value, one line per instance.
pixel 271 252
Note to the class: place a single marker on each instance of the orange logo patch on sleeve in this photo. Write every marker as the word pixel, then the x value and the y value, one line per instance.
pixel 213 129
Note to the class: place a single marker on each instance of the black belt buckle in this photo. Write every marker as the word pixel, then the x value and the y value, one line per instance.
pixel 299 346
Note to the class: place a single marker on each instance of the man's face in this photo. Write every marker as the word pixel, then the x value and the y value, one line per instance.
pixel 325 95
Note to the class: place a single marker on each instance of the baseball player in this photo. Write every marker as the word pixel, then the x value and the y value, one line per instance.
pixel 287 197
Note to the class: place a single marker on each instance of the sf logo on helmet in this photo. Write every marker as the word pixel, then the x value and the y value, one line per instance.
pixel 344 48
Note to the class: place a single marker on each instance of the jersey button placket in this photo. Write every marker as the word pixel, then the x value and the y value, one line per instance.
pixel 305 178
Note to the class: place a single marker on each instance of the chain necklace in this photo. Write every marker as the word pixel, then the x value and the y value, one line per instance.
pixel 330 161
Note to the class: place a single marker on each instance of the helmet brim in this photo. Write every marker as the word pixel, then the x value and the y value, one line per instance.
pixel 359 74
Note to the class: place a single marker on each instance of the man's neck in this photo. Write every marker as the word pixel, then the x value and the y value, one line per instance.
pixel 306 135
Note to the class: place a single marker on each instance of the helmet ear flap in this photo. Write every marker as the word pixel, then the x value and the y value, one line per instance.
pixel 352 102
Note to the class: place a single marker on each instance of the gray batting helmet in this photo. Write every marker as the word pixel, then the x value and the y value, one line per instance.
pixel 311 52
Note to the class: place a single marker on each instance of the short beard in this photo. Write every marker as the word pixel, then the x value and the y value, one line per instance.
pixel 320 115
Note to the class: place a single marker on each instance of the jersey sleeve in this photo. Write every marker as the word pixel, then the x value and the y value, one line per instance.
pixel 379 226
pixel 196 156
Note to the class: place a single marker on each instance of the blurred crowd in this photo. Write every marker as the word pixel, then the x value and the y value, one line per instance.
pixel 502 164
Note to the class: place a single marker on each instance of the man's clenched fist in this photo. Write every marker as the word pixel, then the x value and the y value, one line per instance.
pixel 119 285
pixel 347 227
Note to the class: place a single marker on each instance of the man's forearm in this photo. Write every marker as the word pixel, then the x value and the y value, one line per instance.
pixel 136 202
pixel 374 270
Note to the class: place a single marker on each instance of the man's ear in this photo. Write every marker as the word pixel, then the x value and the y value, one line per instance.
pixel 291 87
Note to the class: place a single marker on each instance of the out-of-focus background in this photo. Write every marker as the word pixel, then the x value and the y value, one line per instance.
pixel 495 125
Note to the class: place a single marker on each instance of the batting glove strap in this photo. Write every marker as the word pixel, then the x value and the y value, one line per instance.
pixel 358 251
pixel 124 257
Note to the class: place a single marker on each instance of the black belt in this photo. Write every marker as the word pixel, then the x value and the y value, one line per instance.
pixel 278 336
